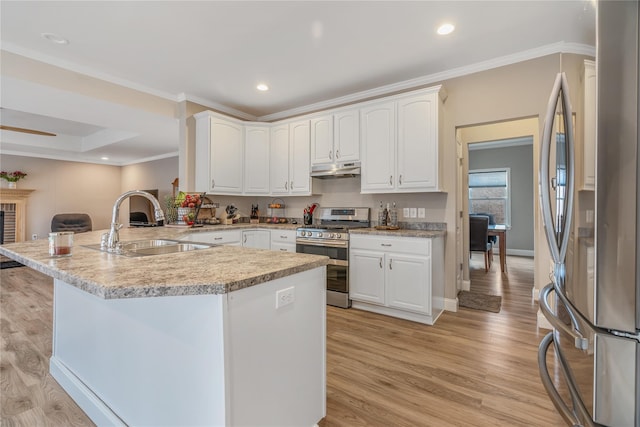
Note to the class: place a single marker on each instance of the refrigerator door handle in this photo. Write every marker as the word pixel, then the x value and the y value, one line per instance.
pixel 569 415
pixel 573 331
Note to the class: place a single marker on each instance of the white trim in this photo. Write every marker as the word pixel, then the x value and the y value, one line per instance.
pixel 217 107
pixel 550 49
pixel 520 252
pixel 543 323
pixel 91 404
pixel 466 285
pixel 451 304
pixel 510 142
pixel 87 71
pixel 82 160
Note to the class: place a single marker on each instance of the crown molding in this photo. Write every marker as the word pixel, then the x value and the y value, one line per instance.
pixel 216 106
pixel 511 142
pixel 87 71
pixel 560 47
pixel 550 49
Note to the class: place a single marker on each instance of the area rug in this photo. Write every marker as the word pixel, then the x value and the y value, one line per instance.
pixel 479 301
pixel 10 264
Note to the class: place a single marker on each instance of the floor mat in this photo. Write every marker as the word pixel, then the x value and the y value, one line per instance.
pixel 479 301
pixel 10 264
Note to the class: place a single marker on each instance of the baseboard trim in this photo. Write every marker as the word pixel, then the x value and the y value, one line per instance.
pixel 451 304
pixel 520 252
pixel 543 323
pixel 91 404
pixel 466 285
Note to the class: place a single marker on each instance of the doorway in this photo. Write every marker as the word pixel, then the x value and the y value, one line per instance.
pixel 486 135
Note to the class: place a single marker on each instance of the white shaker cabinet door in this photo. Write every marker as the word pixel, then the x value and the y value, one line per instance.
pixel 256 160
pixel 322 151
pixel 279 160
pixel 299 161
pixel 417 143
pixel 219 154
pixel 366 276
pixel 408 283
pixel 377 124
pixel 346 131
pixel 226 157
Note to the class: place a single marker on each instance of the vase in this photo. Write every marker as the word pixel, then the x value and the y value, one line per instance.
pixel 13 184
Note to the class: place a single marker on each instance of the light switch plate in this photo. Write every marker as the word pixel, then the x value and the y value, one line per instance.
pixel 405 212
pixel 413 212
pixel 422 212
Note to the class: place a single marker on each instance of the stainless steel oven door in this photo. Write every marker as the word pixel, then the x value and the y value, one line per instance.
pixel 337 269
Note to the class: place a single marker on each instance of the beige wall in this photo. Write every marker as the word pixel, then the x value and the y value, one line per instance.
pixel 65 187
pixel 69 187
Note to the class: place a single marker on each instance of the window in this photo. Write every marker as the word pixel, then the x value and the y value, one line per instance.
pixel 489 193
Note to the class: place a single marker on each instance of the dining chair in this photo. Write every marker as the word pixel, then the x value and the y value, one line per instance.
pixel 479 238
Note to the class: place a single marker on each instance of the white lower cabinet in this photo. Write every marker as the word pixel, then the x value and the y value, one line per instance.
pixel 258 239
pixel 283 240
pixel 228 237
pixel 394 276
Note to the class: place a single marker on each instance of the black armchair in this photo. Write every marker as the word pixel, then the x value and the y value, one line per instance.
pixel 76 222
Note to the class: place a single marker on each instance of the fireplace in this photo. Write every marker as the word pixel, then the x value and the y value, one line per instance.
pixel 13 202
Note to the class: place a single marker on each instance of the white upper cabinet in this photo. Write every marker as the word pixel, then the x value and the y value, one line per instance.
pixel 400 143
pixel 322 140
pixel 219 154
pixel 418 142
pixel 335 137
pixel 279 159
pixel 299 166
pixel 256 159
pixel 589 140
pixel 346 135
pixel 378 130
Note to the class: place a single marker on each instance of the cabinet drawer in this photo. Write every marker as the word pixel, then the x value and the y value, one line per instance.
pixel 283 236
pixel 217 237
pixel 409 245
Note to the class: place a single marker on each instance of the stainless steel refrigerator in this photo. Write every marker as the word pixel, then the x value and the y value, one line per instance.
pixel 595 343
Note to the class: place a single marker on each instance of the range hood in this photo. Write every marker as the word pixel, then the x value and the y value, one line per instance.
pixel 336 170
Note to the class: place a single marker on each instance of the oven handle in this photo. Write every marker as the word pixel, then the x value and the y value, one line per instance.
pixel 323 243
pixel 339 262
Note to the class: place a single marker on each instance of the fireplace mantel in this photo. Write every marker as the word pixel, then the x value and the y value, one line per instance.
pixel 17 196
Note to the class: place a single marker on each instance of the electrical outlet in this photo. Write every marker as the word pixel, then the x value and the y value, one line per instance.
pixel 413 212
pixel 34 236
pixel 422 212
pixel 285 297
pixel 405 212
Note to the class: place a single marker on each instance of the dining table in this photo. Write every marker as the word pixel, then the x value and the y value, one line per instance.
pixel 500 230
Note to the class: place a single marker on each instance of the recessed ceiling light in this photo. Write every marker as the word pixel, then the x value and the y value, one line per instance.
pixel 445 29
pixel 104 158
pixel 54 38
pixel 262 87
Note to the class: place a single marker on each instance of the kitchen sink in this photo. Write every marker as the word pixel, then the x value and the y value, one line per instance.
pixel 138 248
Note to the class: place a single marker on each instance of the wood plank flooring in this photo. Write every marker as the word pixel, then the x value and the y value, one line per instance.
pixel 473 368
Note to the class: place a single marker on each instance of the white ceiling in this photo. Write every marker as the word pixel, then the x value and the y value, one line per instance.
pixel 313 55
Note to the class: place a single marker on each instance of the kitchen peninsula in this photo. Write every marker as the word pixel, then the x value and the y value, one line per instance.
pixel 217 336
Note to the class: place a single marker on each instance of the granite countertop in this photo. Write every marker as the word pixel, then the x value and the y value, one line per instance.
pixel 403 232
pixel 216 270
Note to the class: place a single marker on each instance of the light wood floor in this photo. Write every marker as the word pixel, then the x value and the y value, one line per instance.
pixel 473 368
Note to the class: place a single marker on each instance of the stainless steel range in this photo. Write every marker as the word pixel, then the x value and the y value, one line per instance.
pixel 330 237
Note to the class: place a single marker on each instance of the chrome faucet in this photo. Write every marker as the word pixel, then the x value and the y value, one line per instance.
pixel 109 242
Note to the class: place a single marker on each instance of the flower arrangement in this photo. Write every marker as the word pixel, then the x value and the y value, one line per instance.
pixel 12 176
